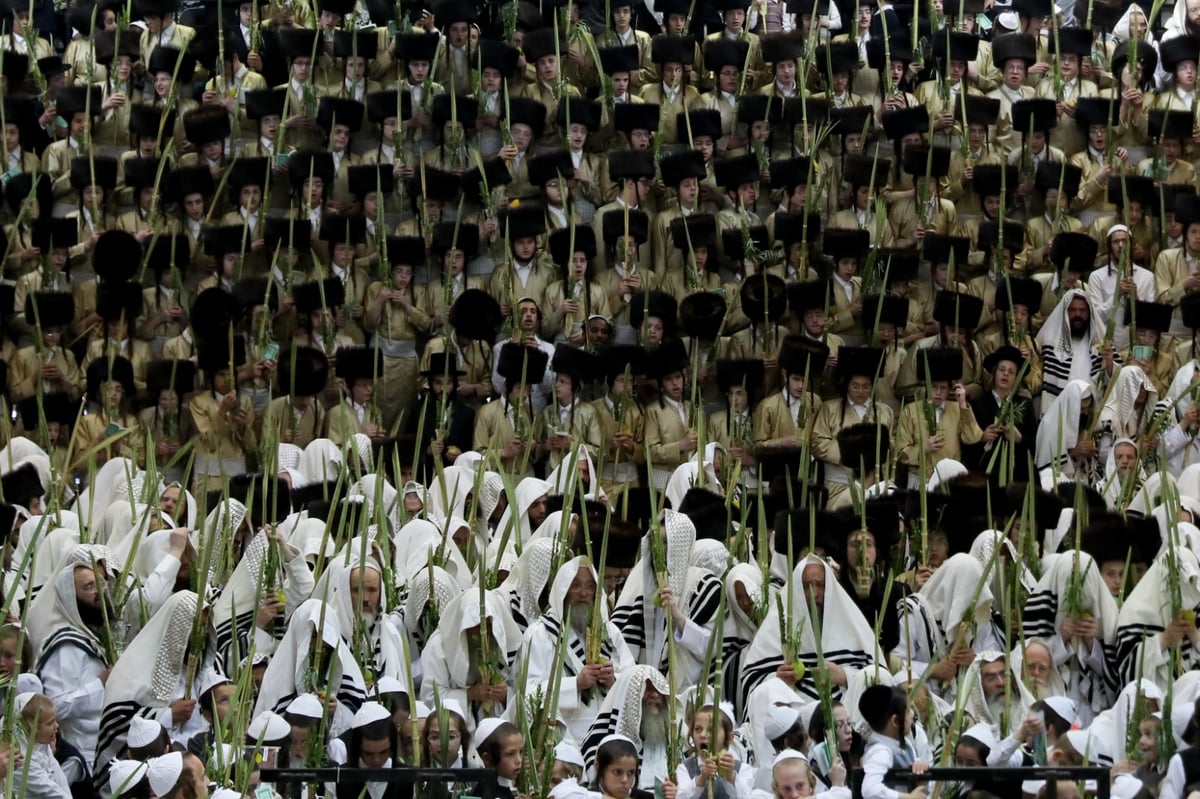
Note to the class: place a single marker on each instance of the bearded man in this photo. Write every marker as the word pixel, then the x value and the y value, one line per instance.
pixel 636 707
pixel 361 609
pixel 587 676
pixel 1071 346
pixel 73 664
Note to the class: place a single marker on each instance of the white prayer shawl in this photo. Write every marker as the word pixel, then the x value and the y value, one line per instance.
pixel 234 610
pixel 1120 418
pixel 1059 428
pixel 683 478
pixel 1146 612
pixel 1110 729
pixel 551 526
pixel 739 628
pixel 527 492
pixel 846 639
pixel 1188 483
pixel 995 566
pixel 1087 676
pixel 70 679
pixel 540 649
pixel 388 648
pixel 118 517
pixel 621 714
pixel 419 541
pixel 976 703
pixel 712 556
pixel 55 608
pixel 448 492
pixel 96 498
pixel 1181 449
pixel 1061 349
pixel 33 530
pixel 54 546
pixel 306 533
pixel 561 478
pixel 161 649
pixel 943 472
pixel 375 488
pixel 524 585
pixel 288 671
pixel 418 624
pixel 696 592
pixel 222 523
pixel 766 696
pixel 321 462
pixel 954 606
pixel 155 569
pixel 446 658
pixel 126 545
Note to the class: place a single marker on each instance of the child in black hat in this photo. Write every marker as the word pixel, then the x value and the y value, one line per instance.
pixel 394 318
pixel 50 366
pixel 417 51
pixel 510 426
pixel 453 134
pixel 357 369
pixel 109 429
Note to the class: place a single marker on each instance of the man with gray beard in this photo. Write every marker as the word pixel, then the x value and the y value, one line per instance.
pixel 360 604
pixel 637 707
pixel 588 672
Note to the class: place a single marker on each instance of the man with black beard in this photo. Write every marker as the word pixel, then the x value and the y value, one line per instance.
pixel 1071 341
pixel 586 675
pixel 73 665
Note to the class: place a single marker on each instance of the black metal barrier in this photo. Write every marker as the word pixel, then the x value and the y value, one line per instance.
pixel 1050 774
pixel 484 778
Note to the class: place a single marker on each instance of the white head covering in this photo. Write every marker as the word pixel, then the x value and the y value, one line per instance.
pixel 621 711
pixel 1120 412
pixel 124 774
pixel 306 705
pixel 285 676
pixel 164 772
pixel 268 727
pixel 1059 429
pixel 684 476
pixel 369 713
pixel 143 732
pixel 1056 330
pixel 846 637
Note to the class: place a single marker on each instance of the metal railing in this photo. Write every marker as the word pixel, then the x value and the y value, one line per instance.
pixel 1051 775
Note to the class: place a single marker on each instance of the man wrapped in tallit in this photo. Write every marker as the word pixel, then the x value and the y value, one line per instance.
pixel 430 590
pixel 992 696
pixel 527 583
pixel 360 602
pixel 637 708
pixel 847 642
pixel 1146 633
pixel 1075 615
pixel 162 648
pixel 75 628
pixel 583 684
pixel 453 659
pixel 744 593
pixel 249 603
pixel 944 623
pixel 334 674
pixel 522 516
pixel 418 543
pixel 1065 450
pixel 691 596
pixel 1129 412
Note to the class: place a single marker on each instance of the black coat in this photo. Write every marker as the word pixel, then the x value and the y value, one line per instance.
pixel 976 456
